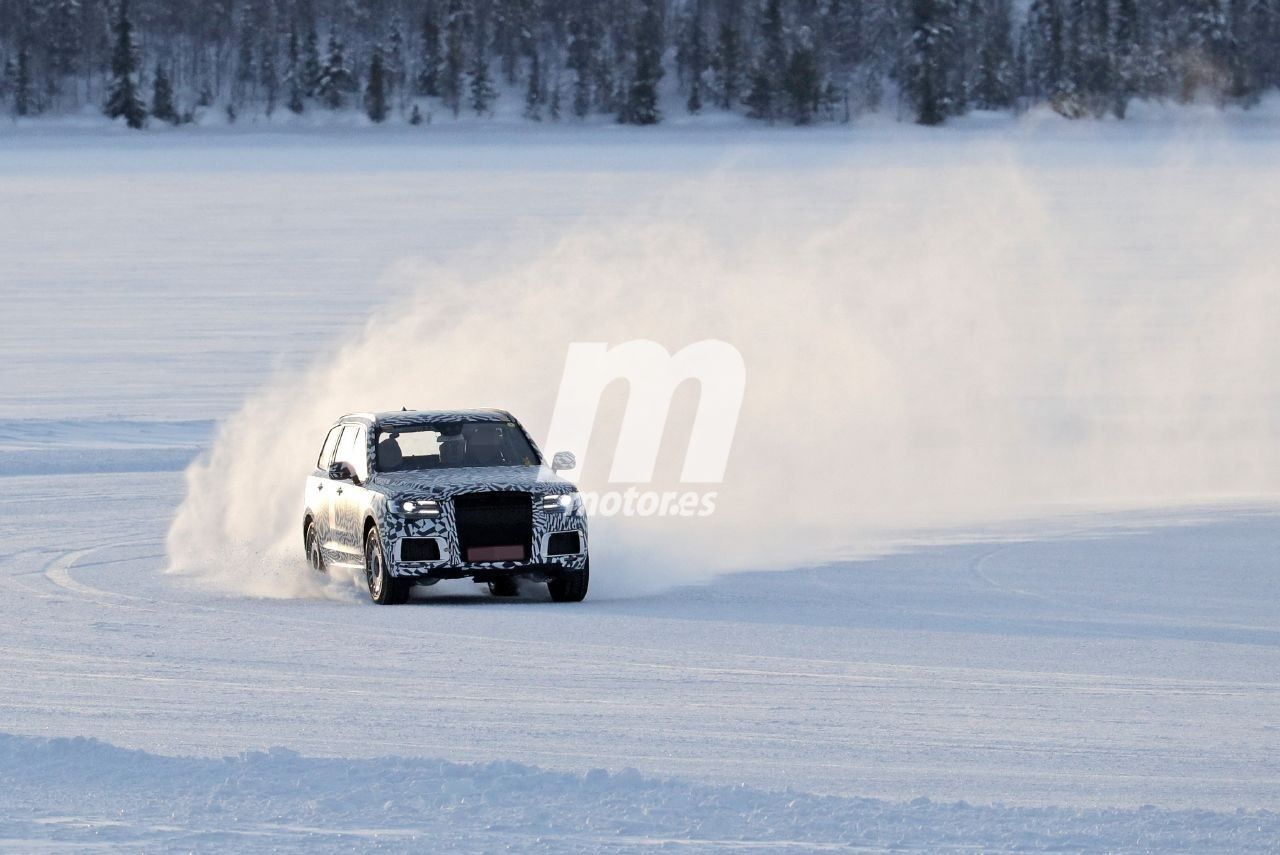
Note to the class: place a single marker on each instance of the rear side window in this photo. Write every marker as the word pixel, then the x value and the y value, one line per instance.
pixel 330 443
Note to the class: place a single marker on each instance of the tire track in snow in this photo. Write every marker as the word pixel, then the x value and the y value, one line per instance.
pixel 864 673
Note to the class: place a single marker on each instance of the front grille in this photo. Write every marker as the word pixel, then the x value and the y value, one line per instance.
pixel 494 526
pixel 563 543
pixel 419 549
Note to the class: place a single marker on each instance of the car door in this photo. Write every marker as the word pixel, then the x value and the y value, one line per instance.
pixel 348 498
pixel 318 487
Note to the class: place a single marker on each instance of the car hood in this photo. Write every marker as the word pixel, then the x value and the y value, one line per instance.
pixel 443 483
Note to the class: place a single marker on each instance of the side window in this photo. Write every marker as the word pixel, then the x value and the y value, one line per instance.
pixel 343 453
pixel 330 443
pixel 361 453
pixel 352 449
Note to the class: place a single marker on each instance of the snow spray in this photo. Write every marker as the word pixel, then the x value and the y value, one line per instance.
pixel 923 346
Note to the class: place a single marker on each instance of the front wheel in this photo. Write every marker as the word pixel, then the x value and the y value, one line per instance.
pixel 384 589
pixel 312 541
pixel 571 587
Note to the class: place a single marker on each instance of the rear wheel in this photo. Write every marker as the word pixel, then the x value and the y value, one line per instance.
pixel 384 589
pixel 312 542
pixel 571 587
pixel 504 587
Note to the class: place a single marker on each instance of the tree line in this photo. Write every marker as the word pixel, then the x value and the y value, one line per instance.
pixel 796 61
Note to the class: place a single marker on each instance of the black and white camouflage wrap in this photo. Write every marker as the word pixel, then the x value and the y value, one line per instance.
pixel 380 498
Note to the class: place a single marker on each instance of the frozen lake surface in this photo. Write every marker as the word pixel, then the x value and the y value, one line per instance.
pixel 1105 676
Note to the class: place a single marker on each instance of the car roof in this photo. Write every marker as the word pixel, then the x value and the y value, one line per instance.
pixel 409 418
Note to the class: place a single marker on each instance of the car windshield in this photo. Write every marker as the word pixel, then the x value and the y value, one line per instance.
pixel 453 446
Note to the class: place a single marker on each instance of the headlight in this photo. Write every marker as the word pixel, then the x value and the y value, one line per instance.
pixel 568 503
pixel 420 507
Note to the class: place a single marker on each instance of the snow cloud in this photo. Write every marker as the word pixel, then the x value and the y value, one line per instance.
pixel 925 346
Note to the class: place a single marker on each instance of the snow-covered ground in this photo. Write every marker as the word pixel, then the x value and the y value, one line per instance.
pixel 1055 684
pixel 1095 676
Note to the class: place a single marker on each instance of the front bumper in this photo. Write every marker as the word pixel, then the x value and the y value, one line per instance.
pixel 540 565
pixel 489 573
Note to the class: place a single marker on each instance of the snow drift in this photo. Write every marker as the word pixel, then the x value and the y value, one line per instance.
pixel 82 792
pixel 925 347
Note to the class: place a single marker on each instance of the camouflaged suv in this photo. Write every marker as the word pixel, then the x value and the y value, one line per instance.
pixel 415 497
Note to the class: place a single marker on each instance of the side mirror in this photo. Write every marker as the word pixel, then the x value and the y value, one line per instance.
pixel 342 472
pixel 563 460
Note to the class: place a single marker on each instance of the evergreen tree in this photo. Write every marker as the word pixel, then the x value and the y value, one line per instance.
pixel 1165 27
pixel 513 21
pixel 773 36
pixel 1256 24
pixel 9 78
pixel 312 71
pixel 269 75
pixel 641 106
pixel 335 78
pixel 1044 39
pixel 428 82
pixel 454 57
pixel 294 75
pixel 966 18
pixel 1206 63
pixel 393 60
pixel 770 65
pixel 1096 63
pixel 534 96
pixel 244 65
pixel 122 98
pixel 802 82
pixel 760 100
pixel 1239 57
pixel 994 89
pixel 482 91
pixel 23 103
pixel 727 65
pixel 1073 50
pixel 553 104
pixel 162 107
pixel 612 62
pixel 64 42
pixel 943 56
pixel 832 97
pixel 1266 35
pixel 696 61
pixel 579 62
pixel 925 86
pixel 840 31
pixel 1125 52
pixel 375 93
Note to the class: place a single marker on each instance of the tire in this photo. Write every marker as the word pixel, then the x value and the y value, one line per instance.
pixel 312 543
pixel 570 588
pixel 505 587
pixel 384 589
